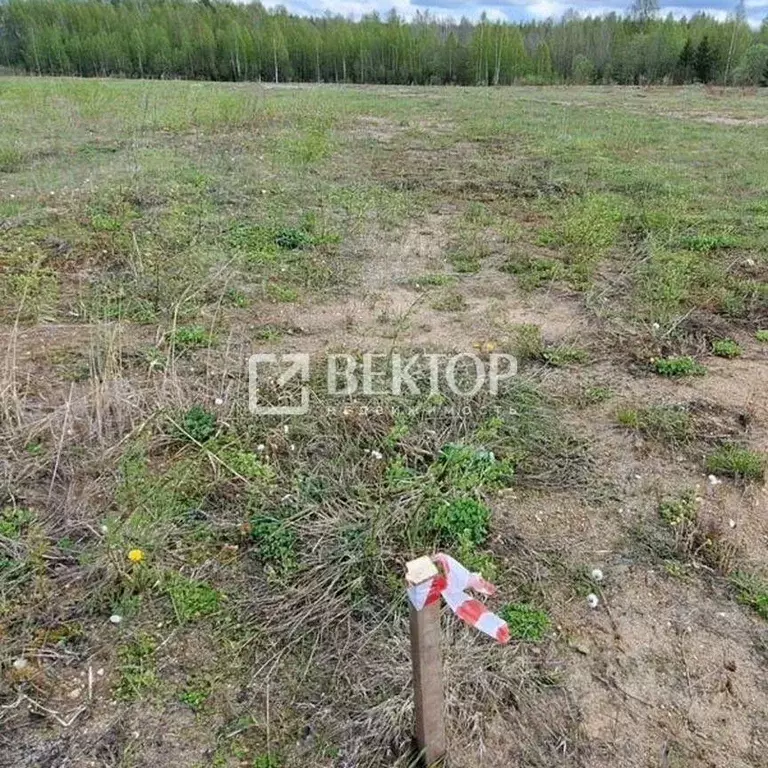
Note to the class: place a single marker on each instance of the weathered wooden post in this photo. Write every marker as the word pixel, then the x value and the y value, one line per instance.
pixel 427 666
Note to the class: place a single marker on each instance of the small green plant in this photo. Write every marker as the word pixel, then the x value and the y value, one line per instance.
pixel 762 336
pixel 529 344
pixel 282 293
pixel 525 622
pixel 532 273
pixel 594 395
pixel 136 667
pixel 11 160
pixel 752 591
pixel 678 367
pixel 461 521
pixel 737 462
pixel 195 695
pixel 250 466
pixel 291 239
pixel 103 222
pixel 191 599
pixel 464 468
pixel 669 424
pixel 431 280
pixel 464 262
pixel 14 521
pixel 450 301
pixel 191 337
pixel 198 424
pixel 726 348
pixel 274 542
pixel 565 355
pixel 706 243
pixel 678 511
pixel 267 760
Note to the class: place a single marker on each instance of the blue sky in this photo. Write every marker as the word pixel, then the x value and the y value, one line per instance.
pixel 514 10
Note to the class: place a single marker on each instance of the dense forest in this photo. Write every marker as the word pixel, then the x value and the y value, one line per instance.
pixel 229 41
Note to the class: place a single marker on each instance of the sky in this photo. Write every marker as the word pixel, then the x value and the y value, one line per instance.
pixel 514 10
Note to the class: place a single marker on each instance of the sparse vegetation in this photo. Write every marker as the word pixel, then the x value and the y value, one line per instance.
pixel 668 424
pixel 241 573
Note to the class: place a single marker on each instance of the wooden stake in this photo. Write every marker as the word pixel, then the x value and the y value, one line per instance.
pixel 427 667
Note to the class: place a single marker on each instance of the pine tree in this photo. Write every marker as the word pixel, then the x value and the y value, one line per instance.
pixel 685 62
pixel 703 61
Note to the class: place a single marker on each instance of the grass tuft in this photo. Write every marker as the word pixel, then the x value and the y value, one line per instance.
pixel 737 462
pixel 526 622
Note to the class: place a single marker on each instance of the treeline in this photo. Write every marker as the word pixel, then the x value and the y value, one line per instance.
pixel 228 41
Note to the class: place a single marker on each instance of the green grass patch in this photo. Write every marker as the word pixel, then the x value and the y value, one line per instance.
pixel 191 599
pixel 752 591
pixel 668 424
pixel 137 669
pixel 737 462
pixel 526 622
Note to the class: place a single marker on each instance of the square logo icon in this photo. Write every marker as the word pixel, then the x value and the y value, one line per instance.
pixel 273 379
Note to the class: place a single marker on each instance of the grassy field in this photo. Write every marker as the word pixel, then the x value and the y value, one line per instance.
pixel 184 583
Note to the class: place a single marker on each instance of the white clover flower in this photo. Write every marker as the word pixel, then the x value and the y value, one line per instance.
pixel 593 600
pixel 115 618
pixel 596 574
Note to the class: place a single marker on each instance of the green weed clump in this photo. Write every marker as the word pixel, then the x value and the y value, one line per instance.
pixel 14 521
pixel 275 543
pixel 195 696
pixel 191 337
pixel 706 243
pixel 137 669
pixel 726 348
pixel 670 424
pixel 751 591
pixel 191 599
pixel 450 301
pixel 762 336
pixel 678 367
pixel 464 468
pixel 525 622
pixel 198 424
pixel 532 273
pixel 11 160
pixel 679 511
pixel 737 462
pixel 461 520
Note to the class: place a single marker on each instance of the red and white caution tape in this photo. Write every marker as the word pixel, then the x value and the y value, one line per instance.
pixel 451 583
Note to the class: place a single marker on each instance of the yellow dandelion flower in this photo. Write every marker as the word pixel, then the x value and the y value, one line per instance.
pixel 135 555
